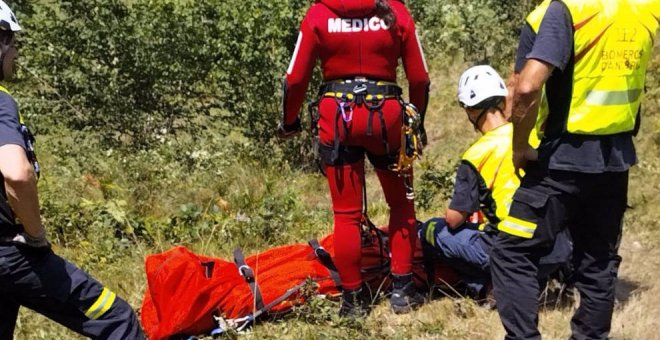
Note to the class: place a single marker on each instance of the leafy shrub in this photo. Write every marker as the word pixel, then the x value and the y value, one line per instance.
pixel 138 71
pixel 435 185
pixel 476 31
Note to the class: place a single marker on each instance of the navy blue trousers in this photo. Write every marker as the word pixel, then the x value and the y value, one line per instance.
pixel 52 286
pixel 591 207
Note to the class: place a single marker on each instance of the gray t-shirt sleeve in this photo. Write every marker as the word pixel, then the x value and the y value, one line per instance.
pixel 554 40
pixel 10 127
pixel 525 44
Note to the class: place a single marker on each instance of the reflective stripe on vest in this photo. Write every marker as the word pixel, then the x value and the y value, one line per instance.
pixel 613 41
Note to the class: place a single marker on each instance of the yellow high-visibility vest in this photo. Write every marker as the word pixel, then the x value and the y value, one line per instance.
pixel 613 41
pixel 491 156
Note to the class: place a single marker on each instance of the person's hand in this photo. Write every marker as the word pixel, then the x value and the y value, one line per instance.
pixel 285 132
pixel 38 242
pixel 423 137
pixel 521 157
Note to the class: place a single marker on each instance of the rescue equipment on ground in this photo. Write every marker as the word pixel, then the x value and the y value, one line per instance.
pixel 190 294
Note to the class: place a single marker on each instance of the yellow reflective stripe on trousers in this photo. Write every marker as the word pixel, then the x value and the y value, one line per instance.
pixel 102 304
pixel 517 227
pixel 430 235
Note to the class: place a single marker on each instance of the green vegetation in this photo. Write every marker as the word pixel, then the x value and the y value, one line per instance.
pixel 155 125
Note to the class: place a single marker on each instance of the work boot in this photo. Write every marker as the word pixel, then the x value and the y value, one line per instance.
pixel 486 298
pixel 354 303
pixel 404 295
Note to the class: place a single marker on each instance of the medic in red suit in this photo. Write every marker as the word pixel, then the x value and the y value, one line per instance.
pixel 359 43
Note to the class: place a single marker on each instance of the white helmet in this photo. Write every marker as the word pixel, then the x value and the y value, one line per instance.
pixel 8 19
pixel 478 84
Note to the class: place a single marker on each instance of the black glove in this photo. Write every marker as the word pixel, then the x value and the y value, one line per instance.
pixel 422 136
pixel 289 131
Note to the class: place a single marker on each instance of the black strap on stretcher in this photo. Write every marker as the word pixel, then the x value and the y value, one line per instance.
pixel 326 260
pixel 248 274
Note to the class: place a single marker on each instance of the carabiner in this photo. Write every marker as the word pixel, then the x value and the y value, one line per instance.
pixel 346 117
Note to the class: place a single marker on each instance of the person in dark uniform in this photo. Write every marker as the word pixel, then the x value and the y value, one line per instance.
pixel 589 58
pixel 31 275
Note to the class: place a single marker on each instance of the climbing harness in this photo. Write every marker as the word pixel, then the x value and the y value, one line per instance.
pixel 349 93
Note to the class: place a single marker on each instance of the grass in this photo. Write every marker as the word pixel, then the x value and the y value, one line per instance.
pixel 302 210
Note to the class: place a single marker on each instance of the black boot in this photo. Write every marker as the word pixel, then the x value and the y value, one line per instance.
pixel 355 303
pixel 404 295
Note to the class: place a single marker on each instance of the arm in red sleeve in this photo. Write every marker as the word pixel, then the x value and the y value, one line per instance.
pixel 416 71
pixel 415 67
pixel 299 73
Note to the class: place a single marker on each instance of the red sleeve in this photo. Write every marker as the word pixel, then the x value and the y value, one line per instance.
pixel 299 72
pixel 415 65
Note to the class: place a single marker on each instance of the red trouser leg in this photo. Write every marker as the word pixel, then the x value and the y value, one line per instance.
pixel 402 225
pixel 346 183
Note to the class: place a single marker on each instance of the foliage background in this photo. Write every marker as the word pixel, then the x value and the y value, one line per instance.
pixel 155 125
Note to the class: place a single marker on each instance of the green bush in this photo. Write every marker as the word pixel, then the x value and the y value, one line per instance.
pixel 435 185
pixel 148 112
pixel 476 31
pixel 138 71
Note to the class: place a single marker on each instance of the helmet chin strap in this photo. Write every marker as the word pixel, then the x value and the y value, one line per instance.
pixel 475 122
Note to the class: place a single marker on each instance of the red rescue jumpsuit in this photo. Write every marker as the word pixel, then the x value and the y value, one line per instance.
pixel 351 42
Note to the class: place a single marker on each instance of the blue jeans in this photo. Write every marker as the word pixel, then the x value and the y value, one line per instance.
pixel 467 251
pixel 464 249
